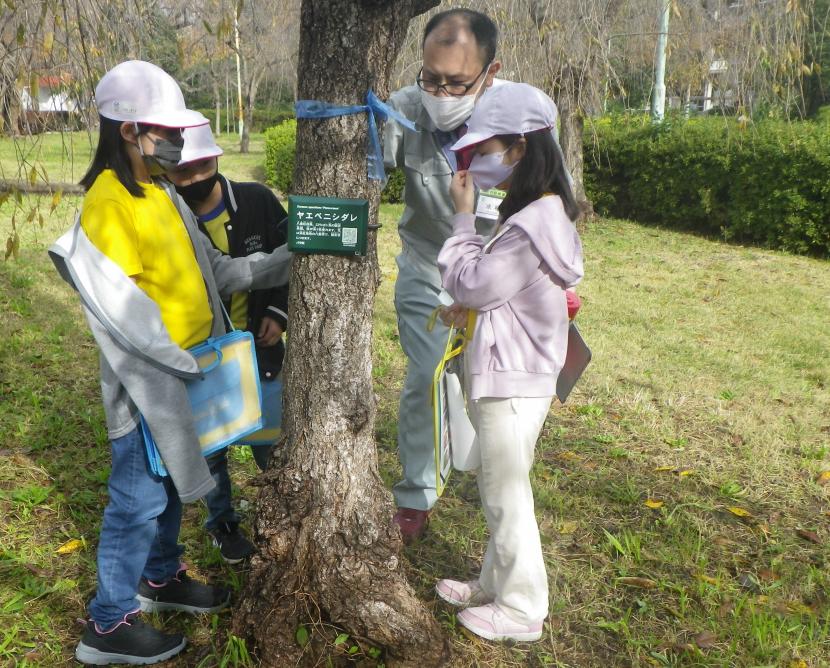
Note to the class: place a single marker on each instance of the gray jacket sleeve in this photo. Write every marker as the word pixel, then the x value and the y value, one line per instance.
pixel 162 399
pixel 393 139
pixel 253 272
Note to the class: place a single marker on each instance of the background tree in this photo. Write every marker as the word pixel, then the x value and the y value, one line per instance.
pixel 263 37
pixel 328 552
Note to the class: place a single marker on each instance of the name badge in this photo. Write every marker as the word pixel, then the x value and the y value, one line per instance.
pixel 488 203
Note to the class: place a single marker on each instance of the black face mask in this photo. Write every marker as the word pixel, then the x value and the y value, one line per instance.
pixel 198 191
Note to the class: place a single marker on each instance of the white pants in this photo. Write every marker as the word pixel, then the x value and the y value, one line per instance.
pixel 513 571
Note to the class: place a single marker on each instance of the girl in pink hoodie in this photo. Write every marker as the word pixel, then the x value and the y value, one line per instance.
pixel 516 283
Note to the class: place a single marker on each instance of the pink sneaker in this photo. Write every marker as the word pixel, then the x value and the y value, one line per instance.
pixel 490 622
pixel 462 594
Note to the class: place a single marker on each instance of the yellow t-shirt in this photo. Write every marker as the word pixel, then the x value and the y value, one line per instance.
pixel 146 237
pixel 219 236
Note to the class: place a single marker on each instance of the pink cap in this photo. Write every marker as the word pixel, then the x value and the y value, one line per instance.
pixel 144 93
pixel 508 109
pixel 199 144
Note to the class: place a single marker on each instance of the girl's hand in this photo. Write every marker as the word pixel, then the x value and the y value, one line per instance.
pixel 454 316
pixel 462 192
pixel 574 302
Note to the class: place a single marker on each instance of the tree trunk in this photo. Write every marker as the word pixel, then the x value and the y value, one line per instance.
pixel 572 128
pixel 245 139
pixel 217 100
pixel 329 557
pixel 249 101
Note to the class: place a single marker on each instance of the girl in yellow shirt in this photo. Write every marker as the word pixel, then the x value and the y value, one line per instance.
pixel 134 222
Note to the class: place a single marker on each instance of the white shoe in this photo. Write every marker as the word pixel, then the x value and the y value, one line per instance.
pixel 462 594
pixel 491 623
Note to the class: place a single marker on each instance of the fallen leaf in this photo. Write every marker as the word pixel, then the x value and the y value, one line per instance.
pixel 806 534
pixel 823 478
pixel 750 582
pixel 653 503
pixel 662 469
pixel 762 599
pixel 708 579
pixel 35 570
pixel 736 440
pixel 767 575
pixel 568 527
pixel 725 609
pixel 800 608
pixel 70 546
pixel 301 635
pixel 797 663
pixel 739 512
pixel 683 473
pixel 642 583
pixel 705 640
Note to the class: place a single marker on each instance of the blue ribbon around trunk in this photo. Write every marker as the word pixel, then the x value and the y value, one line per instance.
pixel 375 108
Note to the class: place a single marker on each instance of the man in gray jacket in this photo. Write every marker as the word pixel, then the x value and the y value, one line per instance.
pixel 459 65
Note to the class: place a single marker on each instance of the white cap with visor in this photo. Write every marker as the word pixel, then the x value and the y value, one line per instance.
pixel 509 109
pixel 140 92
pixel 199 144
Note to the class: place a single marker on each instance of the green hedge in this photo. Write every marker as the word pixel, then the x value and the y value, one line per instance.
pixel 765 183
pixel 279 155
pixel 263 118
pixel 280 144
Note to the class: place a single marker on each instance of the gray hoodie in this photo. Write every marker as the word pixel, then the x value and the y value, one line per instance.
pixel 141 367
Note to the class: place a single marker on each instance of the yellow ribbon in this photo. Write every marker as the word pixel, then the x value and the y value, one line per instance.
pixel 456 342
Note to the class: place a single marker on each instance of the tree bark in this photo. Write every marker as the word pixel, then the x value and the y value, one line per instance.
pixel 329 557
pixel 571 139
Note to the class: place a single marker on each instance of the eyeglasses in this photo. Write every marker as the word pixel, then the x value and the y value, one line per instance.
pixel 453 89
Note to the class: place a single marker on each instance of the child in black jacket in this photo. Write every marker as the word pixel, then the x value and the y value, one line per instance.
pixel 240 219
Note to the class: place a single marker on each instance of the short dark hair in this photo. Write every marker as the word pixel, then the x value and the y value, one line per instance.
pixel 541 170
pixel 111 153
pixel 481 25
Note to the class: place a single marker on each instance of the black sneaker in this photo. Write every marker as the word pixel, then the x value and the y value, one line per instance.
pixel 131 641
pixel 232 543
pixel 181 593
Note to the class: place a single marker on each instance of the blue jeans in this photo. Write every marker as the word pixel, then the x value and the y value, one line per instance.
pixel 218 500
pixel 139 534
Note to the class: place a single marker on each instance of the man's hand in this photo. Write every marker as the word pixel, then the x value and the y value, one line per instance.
pixel 454 316
pixel 462 192
pixel 269 333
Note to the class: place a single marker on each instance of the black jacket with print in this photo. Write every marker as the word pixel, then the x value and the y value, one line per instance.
pixel 257 222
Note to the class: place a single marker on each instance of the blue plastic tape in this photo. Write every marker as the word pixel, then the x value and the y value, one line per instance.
pixel 375 108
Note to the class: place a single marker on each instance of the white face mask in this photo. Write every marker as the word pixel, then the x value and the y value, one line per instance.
pixel 449 112
pixel 488 170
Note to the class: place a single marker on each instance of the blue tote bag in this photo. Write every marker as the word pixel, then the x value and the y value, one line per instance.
pixel 226 401
pixel 271 416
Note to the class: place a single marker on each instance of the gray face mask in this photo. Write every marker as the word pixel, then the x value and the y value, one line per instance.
pixel 166 154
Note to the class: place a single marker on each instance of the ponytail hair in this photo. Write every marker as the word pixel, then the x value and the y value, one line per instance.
pixel 111 153
pixel 541 170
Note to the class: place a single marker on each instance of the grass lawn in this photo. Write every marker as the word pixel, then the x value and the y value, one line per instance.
pixel 679 491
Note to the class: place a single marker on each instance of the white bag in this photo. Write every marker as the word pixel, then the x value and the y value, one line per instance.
pixel 455 439
pixel 466 455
